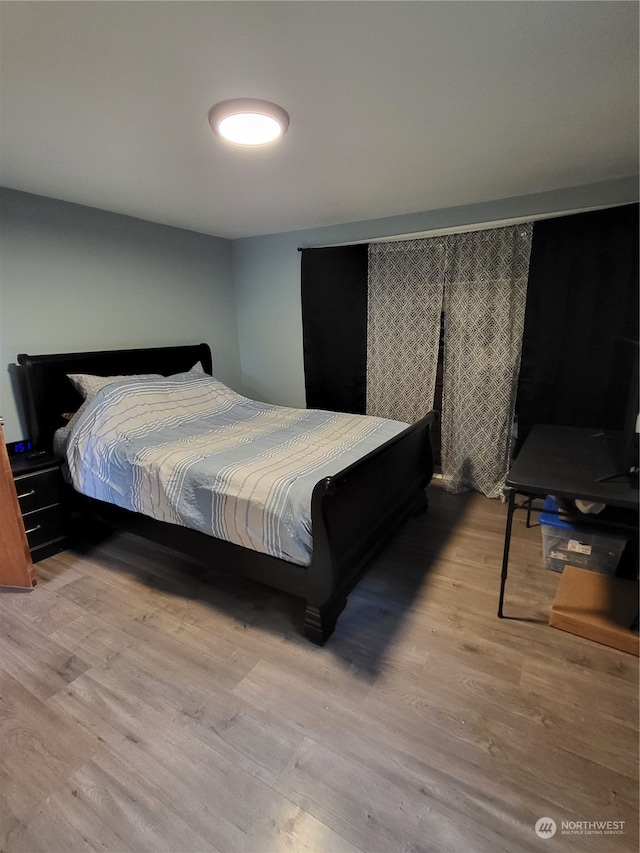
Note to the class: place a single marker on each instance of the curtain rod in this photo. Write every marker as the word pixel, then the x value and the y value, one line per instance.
pixel 461 229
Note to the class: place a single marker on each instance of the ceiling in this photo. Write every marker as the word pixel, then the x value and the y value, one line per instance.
pixel 396 107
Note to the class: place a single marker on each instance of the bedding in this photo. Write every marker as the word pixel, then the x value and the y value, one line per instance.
pixel 188 450
pixel 88 386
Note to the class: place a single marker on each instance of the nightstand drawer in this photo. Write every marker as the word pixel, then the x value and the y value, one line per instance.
pixel 38 490
pixel 43 525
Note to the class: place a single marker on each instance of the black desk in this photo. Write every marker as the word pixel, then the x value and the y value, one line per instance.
pixel 569 462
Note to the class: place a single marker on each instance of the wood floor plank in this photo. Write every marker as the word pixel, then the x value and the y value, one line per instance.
pixel 96 803
pixel 220 800
pixel 399 815
pixel 151 703
pixel 35 659
pixel 452 757
pixel 40 748
pixel 605 695
pixel 96 595
pixel 44 610
pixel 98 638
pixel 545 715
pixel 56 571
pixel 212 715
pixel 220 788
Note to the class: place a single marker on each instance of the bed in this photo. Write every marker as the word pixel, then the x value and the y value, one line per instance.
pixel 353 512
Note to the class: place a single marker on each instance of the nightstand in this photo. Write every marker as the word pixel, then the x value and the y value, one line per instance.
pixel 40 490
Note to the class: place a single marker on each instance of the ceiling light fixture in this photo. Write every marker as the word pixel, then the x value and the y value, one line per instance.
pixel 248 121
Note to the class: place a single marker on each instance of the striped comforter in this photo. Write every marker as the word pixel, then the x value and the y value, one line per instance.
pixel 190 451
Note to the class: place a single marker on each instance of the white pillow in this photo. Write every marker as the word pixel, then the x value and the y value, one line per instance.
pixel 88 385
pixel 198 368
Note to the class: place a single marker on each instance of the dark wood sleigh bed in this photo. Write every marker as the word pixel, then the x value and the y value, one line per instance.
pixel 354 513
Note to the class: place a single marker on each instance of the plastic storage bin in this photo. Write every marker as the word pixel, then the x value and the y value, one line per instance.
pixel 570 544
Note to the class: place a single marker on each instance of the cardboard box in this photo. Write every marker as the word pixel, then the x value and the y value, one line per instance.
pixel 597 607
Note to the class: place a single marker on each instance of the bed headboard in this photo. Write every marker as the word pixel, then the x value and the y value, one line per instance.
pixel 49 392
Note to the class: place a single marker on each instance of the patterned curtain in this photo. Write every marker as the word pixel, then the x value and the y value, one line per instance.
pixel 479 280
pixel 484 304
pixel 405 283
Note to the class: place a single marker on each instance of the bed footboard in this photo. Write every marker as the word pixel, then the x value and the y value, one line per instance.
pixel 356 512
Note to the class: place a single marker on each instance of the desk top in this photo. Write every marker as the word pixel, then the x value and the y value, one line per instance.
pixel 568 462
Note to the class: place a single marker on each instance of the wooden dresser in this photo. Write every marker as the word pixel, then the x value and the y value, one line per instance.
pixel 16 566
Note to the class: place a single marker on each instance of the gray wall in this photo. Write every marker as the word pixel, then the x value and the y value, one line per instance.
pixel 73 278
pixel 266 272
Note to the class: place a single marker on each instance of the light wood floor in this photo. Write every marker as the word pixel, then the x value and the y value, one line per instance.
pixel 148 704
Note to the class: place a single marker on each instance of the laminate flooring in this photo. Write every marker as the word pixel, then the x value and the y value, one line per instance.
pixel 152 704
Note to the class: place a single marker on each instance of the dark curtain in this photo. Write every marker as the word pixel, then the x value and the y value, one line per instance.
pixel 582 302
pixel 334 323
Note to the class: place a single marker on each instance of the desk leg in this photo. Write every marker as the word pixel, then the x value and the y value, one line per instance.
pixel 507 544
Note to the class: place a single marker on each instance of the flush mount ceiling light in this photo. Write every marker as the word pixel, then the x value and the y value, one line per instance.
pixel 248 121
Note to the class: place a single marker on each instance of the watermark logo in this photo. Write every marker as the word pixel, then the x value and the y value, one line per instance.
pixel 545 827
